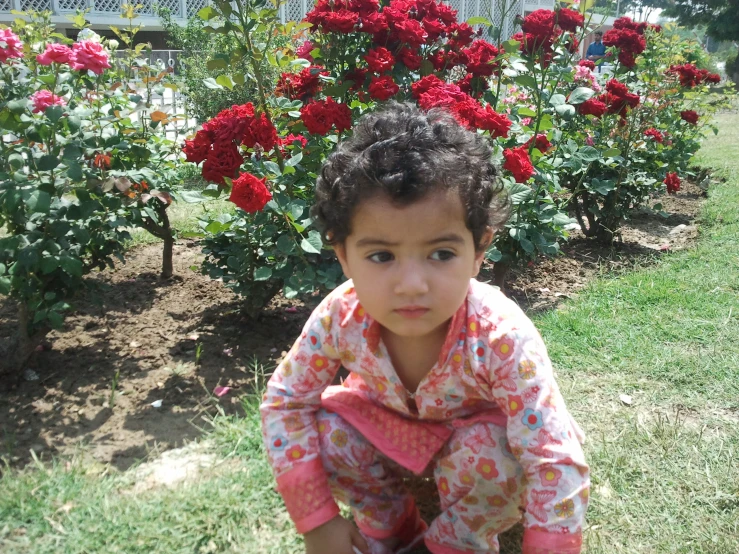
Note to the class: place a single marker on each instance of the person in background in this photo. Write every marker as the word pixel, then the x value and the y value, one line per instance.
pixel 596 50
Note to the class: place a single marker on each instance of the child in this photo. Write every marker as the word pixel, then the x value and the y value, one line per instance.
pixel 446 375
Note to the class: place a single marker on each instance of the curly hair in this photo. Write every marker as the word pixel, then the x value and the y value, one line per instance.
pixel 406 153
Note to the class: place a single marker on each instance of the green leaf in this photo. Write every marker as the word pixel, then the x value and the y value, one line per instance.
pixel 565 111
pixel 519 193
pixel 295 160
pixel 5 285
pixel 611 153
pixel 49 264
pixel 493 254
pixel 74 171
pixel 192 196
pixel 47 163
pixel 479 21
pixel 526 81
pixel 272 167
pixel 207 13
pixel 210 82
pixel 54 113
pixel 217 63
pixel 527 245
pixel 285 244
pixel 557 100
pixel 588 154
pixel 580 95
pixel 300 62
pixel 56 319
pixel 226 81
pixel 16 161
pixel 602 187
pixel 511 45
pixel 73 266
pixel 39 201
pixel 262 273
pixel 18 106
pixel 313 243
pixel 526 112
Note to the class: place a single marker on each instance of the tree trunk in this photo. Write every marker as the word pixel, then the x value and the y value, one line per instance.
pixel 20 349
pixel 500 272
pixel 167 269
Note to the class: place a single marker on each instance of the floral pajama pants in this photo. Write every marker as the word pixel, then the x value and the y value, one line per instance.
pixel 481 485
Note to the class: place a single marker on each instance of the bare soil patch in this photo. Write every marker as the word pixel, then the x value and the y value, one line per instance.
pixel 148 332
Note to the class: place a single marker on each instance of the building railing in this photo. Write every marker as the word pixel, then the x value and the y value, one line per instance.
pixel 180 9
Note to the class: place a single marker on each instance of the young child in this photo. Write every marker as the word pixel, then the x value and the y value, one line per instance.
pixel 446 375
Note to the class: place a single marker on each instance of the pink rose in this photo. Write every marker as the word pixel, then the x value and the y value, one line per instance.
pixel 90 55
pixel 10 45
pixel 56 53
pixel 304 51
pixel 42 99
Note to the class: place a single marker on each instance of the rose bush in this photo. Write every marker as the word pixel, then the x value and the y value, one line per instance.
pixel 83 157
pixel 565 140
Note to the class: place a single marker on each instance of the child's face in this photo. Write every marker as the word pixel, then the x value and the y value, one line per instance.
pixel 411 265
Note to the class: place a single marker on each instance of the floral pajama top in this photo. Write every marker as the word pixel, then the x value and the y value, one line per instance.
pixel 493 366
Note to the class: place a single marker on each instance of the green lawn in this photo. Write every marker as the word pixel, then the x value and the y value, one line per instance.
pixel 664 466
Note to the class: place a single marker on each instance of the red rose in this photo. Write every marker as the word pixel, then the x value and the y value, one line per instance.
pixel 625 23
pixel 690 116
pixel 341 114
pixel 426 84
pixel 461 34
pixel 465 84
pixel 410 32
pixel 341 21
pixel 319 117
pixel 539 23
pixel 447 14
pixel 615 87
pixel 261 131
pixel 410 58
pixel 587 63
pixel 196 150
pixel 223 161
pixel 374 23
pixel 292 139
pixel 304 50
pixel 654 133
pixel 517 161
pixel 569 20
pixel 541 142
pixel 358 75
pixel 382 88
pixel 489 120
pixel 380 60
pixel 626 59
pixel 230 124
pixel 673 183
pixel 592 107
pixel 433 27
pixel 250 193
pixel 480 56
pixel 301 86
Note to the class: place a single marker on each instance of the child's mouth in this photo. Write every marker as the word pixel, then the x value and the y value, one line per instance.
pixel 412 312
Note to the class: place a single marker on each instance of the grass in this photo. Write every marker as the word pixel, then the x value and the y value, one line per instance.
pixel 664 471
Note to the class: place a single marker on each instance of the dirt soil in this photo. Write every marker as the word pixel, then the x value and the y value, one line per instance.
pixel 165 346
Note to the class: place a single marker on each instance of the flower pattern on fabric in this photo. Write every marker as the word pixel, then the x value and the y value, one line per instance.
pixel 492 367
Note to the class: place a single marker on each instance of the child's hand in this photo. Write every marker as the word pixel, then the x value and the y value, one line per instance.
pixel 337 536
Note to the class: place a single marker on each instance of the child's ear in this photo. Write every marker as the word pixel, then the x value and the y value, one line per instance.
pixel 485 242
pixel 340 250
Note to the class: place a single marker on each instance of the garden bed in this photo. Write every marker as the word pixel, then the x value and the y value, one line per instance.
pixel 176 341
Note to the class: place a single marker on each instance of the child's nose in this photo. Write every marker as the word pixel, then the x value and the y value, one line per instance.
pixel 412 280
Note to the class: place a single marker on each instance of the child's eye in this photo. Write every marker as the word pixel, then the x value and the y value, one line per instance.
pixel 443 255
pixel 380 257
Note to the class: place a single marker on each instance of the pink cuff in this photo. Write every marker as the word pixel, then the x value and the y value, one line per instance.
pixel 541 542
pixel 307 496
